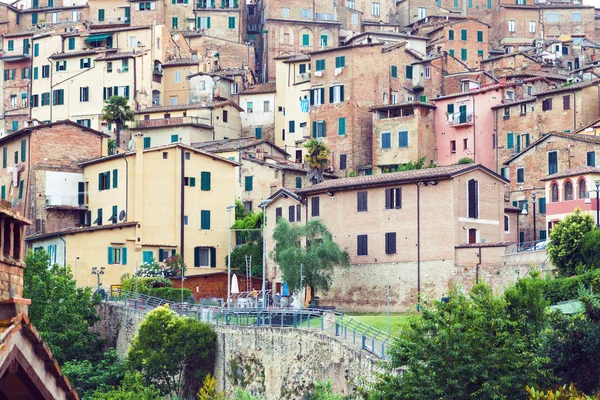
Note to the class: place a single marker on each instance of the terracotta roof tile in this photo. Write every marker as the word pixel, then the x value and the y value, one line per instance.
pixel 189 106
pixel 219 146
pixel 393 178
pixel 268 87
pixel 581 170
pixel 487 244
pixel 180 61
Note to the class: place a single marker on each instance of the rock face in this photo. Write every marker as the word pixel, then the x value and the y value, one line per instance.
pixel 274 363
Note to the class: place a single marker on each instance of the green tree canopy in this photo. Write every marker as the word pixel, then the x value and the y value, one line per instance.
pixel 173 353
pixel 117 111
pixel 477 346
pixel 62 313
pixel 133 387
pixel 87 377
pixel 319 257
pixel 566 242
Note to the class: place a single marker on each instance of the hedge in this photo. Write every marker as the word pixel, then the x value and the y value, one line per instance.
pixel 169 293
pixel 563 289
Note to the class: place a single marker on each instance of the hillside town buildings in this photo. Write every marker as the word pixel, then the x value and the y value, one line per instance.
pixel 226 94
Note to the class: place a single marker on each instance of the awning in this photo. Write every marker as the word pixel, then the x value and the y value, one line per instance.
pixel 97 38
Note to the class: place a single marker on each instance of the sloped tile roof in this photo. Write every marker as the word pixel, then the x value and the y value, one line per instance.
pixel 581 170
pixel 268 87
pixel 180 61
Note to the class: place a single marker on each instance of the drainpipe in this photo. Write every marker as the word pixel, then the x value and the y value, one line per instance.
pixel 574 111
pixel 477 267
pixel 474 134
pixel 65 251
pixel 496 138
pixel 135 94
pixel 126 187
pixel 419 241
pixel 182 210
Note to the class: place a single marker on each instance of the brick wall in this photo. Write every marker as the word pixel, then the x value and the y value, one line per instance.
pixel 214 285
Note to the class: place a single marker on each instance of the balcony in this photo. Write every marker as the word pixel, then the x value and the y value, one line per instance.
pixel 111 21
pixel 299 78
pixel 175 121
pixel 63 202
pixel 460 119
pixel 324 17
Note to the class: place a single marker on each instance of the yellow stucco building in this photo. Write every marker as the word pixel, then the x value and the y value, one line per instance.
pixel 148 204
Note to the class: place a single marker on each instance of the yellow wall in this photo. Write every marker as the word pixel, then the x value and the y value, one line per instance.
pixel 179 90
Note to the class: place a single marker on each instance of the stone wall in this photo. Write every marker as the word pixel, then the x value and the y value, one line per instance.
pixel 274 363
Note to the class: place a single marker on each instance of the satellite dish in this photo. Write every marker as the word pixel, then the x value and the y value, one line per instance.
pixel 130 145
pixel 122 215
pixel 13 202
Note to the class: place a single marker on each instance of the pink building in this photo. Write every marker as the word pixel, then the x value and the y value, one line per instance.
pixel 569 190
pixel 464 126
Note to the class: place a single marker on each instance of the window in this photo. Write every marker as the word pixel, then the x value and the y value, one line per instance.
pixel 34 100
pixel 205 220
pixel 203 22
pixel 547 105
pixel 341 126
pixel 178 76
pixel 386 140
pixel 36 50
pixel 542 204
pixel 84 94
pixel 520 175
pixel 340 62
pixel 472 235
pixel 552 17
pixel 473 198
pixel 249 107
pixel 451 52
pixel 85 122
pixel 390 243
pixel 231 23
pixel 453 146
pixel 354 19
pixel 258 132
pixel 480 36
pixel 511 25
pixel 393 198
pixel 409 72
pixel 298 213
pixel 320 65
pixel 58 97
pixel 266 106
pixel 394 71
pixel 306 40
pixel 351 4
pixel 506 112
pixel 205 257
pixel 362 245
pixel 532 26
pixel 463 34
pixel 45 71
pixel 292 213
pixel 305 13
pixel 343 161
pixel 84 63
pixel 361 202
pixel 465 144
pixel 575 17
pixel 318 129
pixel 582 189
pixel 427 72
pixel 463 54
pixel 323 41
pixel 34 18
pixel 403 139
pixel 205 181
pixel 565 50
pixel 174 23
pixel 336 94
pixel 552 162
pixel 591 159
pixel 554 192
pixel 61 65
pixel 314 206
pixel 451 34
pixel 523 109
pixel 234 88
pixel 248 183
pixel 46 99
pixel 11 45
pixel 225 115
pixel 506 224
pixel 285 12
pixel 566 102
pixel 317 96
pixel 298 182
pixel 375 9
pixel 568 191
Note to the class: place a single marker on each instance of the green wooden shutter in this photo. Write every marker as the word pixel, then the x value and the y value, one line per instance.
pixel 192 181
pixel 450 108
pixel 107 174
pixel 213 257
pixel 510 140
pixel 480 36
pixel 23 149
pixel 542 205
pixel 527 140
pixel 101 181
pixel 124 256
pixel 207 22
pixel 196 256
pixel 205 219
pixel 146 142
pixel 314 130
pixel 3 193
pixel 463 34
pixel 110 255
pixel 248 183
pixel 115 178
pixel 21 184
pixel 114 217
pixel 174 138
pixel 101 14
pixel 341 126
pixel 205 180
pixel 99 216
pixel 72 43
pixel 409 72
pixel 80 193
pixel 298 182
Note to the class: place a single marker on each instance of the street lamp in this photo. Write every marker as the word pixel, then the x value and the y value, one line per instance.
pixel 588 201
pixel 229 208
pixel 98 271
pixel 524 212
pixel 263 204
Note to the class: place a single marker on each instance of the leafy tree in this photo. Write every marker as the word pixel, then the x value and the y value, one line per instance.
pixel 209 391
pixel 411 166
pixel 252 239
pixel 590 249
pixel 133 387
pixel 112 147
pixel 62 313
pixel 87 377
pixel 566 240
pixel 117 111
pixel 238 257
pixel 318 258
pixel 317 159
pixel 173 353
pixel 477 346
pixel 465 160
pixel 323 390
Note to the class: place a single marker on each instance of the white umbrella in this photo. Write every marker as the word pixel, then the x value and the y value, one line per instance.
pixel 235 288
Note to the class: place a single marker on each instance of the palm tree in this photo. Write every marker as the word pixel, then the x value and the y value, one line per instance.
pixel 317 160
pixel 117 111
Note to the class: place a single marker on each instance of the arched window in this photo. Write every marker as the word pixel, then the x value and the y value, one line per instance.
pixel 582 189
pixel 568 191
pixel 554 193
pixel 472 235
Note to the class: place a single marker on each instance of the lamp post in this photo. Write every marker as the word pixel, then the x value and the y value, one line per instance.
pixel 229 208
pixel 98 271
pixel 588 201
pixel 524 212
pixel 264 205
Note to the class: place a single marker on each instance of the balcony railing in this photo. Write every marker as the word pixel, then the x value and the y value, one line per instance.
pixel 460 118
pixel 64 201
pixel 324 17
pixel 538 245
pixel 110 21
pixel 302 77
pixel 175 121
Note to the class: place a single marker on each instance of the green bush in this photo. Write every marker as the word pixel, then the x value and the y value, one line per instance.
pixel 170 293
pixel 563 289
pixel 143 285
